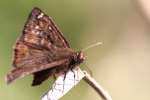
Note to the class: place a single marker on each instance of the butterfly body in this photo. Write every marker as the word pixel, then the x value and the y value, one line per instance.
pixel 42 50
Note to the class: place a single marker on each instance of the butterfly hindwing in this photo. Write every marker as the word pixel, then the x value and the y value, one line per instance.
pixel 20 72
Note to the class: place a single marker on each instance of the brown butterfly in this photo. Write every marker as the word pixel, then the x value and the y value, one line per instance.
pixel 42 50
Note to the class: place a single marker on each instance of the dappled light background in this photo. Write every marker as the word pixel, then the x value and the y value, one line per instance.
pixel 121 65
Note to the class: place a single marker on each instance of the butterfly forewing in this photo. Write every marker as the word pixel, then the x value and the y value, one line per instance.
pixel 41 30
pixel 41 43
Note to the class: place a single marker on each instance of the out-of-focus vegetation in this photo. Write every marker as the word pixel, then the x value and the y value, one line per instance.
pixel 121 64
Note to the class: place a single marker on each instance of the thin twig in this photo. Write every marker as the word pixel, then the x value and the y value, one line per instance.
pixel 96 86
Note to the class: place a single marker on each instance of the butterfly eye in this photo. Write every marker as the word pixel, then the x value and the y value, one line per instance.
pixel 81 57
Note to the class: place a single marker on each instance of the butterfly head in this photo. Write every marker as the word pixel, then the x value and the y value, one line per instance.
pixel 79 57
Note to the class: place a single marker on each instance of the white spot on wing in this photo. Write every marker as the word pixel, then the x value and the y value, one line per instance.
pixel 37 27
pixel 40 16
pixel 50 28
pixel 26 38
pixel 42 41
pixel 35 32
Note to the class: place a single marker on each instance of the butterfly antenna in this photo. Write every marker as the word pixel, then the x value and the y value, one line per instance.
pixel 93 45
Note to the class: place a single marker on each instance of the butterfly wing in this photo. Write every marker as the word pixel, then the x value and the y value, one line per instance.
pixel 56 37
pixel 20 72
pixel 41 26
pixel 41 43
pixel 40 33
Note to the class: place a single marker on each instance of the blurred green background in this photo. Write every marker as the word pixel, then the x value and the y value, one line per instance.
pixel 121 65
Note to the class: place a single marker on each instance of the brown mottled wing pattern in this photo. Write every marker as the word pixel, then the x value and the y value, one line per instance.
pixel 40 45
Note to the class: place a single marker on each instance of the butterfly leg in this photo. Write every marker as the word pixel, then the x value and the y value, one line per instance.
pixel 74 75
pixel 65 73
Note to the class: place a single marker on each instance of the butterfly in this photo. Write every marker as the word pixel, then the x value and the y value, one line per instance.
pixel 42 50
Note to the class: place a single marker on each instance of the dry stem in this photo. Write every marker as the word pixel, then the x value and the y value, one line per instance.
pixel 96 86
